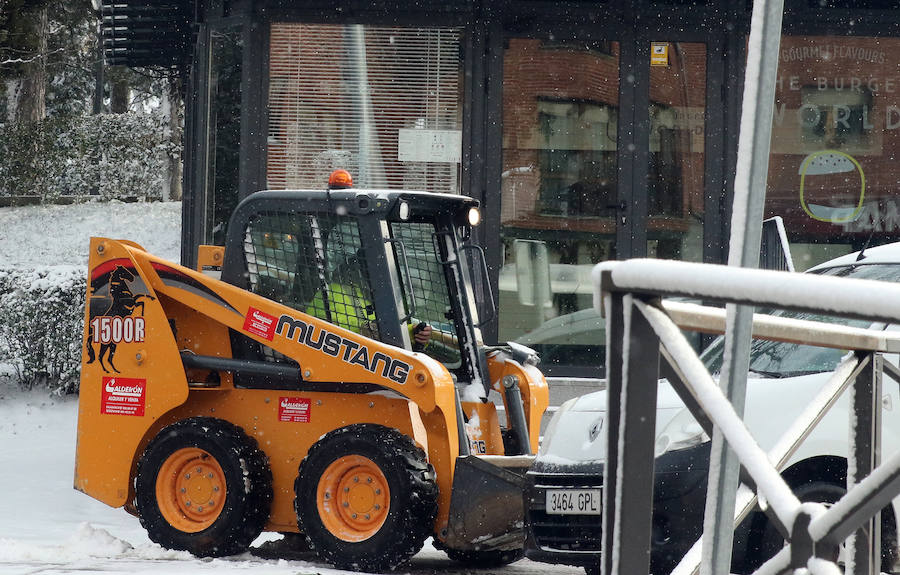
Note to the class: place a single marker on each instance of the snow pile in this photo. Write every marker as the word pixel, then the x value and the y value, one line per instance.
pixel 86 542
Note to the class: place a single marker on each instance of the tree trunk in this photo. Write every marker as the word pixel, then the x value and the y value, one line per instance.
pixel 97 103
pixel 30 92
pixel 119 92
pixel 173 106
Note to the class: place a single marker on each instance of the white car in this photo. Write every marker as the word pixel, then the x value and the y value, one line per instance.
pixel 784 378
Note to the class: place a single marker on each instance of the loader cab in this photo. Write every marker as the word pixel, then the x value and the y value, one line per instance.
pixel 376 262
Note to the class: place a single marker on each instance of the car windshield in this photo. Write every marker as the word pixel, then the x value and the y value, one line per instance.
pixel 782 359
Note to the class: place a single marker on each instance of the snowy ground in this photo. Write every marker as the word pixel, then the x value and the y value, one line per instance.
pixel 49 528
pixel 46 527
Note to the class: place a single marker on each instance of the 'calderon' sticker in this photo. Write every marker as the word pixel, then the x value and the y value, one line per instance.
pixel 293 409
pixel 123 396
pixel 260 323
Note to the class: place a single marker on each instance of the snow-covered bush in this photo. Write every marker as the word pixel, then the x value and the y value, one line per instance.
pixel 120 156
pixel 41 326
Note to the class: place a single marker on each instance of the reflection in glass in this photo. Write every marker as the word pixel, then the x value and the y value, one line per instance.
pixel 559 186
pixel 835 135
pixel 675 177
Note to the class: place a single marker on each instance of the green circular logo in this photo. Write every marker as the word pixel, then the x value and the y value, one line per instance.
pixel 828 162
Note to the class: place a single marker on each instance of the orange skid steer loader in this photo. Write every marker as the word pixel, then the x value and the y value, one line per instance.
pixel 280 388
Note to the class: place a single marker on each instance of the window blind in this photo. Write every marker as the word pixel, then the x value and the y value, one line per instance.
pixel 381 102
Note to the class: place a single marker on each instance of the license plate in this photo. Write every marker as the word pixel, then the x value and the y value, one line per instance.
pixel 573 501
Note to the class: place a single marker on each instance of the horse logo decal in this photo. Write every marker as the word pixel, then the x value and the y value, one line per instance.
pixel 120 323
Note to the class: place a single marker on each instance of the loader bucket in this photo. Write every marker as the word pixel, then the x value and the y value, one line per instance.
pixel 486 508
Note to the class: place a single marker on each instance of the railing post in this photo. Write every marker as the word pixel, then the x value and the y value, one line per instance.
pixel 615 338
pixel 746 229
pixel 632 376
pixel 864 546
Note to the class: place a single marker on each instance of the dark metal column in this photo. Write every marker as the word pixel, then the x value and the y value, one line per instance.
pixel 628 493
pixel 865 455
pixel 615 330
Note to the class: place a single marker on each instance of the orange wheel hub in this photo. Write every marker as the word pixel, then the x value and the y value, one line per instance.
pixel 190 489
pixel 353 498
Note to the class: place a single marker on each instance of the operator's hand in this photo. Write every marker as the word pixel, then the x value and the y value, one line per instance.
pixel 422 334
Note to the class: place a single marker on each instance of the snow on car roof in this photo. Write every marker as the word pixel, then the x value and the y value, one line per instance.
pixel 885 254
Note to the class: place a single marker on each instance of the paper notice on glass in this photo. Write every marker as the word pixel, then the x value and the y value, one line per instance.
pixel 429 145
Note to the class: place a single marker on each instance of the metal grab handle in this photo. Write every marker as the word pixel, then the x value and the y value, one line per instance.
pixel 492 308
pixel 411 303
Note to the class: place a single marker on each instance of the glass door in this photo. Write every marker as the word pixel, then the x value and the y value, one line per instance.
pixel 676 159
pixel 560 206
pixel 591 171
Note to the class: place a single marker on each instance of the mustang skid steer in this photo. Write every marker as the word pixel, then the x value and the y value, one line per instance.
pixel 276 387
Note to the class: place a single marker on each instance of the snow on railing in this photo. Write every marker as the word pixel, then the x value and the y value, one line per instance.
pixel 641 328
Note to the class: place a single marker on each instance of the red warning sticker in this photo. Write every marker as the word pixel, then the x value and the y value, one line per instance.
pixel 123 396
pixel 260 323
pixel 293 409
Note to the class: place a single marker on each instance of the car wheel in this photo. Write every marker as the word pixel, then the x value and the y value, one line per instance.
pixel 203 486
pixel 366 498
pixel 765 540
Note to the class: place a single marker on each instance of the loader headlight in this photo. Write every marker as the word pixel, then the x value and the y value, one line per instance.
pixel 682 432
pixel 474 217
pixel 404 211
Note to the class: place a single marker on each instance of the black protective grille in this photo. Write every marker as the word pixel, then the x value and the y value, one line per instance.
pixel 427 281
pixel 563 532
pixel 146 33
pixel 313 263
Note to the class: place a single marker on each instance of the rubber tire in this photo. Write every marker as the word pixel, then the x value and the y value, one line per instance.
pixel 248 482
pixel 768 541
pixel 413 498
pixel 484 558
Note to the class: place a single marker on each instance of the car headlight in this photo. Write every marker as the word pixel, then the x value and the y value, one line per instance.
pixel 682 432
pixel 554 423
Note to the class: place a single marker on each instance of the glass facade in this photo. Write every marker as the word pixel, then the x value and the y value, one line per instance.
pixel 587 134
pixel 563 206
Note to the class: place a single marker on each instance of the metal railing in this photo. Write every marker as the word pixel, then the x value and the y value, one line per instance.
pixel 644 342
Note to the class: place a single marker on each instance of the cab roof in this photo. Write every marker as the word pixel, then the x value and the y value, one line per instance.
pixel 367 200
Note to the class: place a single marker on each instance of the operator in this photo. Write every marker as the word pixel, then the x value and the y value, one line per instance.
pixel 351 310
pixel 347 305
